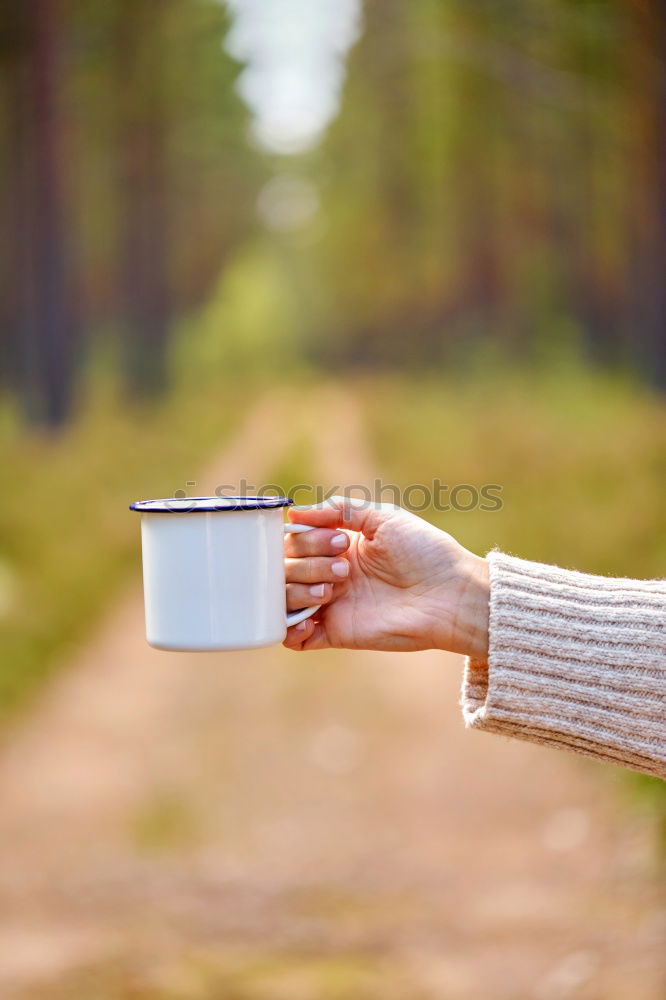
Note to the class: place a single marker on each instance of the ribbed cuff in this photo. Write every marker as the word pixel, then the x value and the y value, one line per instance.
pixel 575 661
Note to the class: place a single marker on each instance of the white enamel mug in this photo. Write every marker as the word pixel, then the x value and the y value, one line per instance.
pixel 213 572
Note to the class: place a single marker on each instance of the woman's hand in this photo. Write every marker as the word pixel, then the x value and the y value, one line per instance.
pixel 386 579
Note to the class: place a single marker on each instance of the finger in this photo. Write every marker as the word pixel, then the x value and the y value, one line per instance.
pixel 300 595
pixel 306 636
pixel 315 638
pixel 317 569
pixel 348 512
pixel 298 634
pixel 320 542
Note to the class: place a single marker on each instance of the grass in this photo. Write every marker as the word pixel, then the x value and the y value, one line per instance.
pixel 270 975
pixel 165 823
pixel 581 462
pixel 67 539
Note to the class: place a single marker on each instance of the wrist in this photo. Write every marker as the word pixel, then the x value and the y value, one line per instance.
pixel 470 604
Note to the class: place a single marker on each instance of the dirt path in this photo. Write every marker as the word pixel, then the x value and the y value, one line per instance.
pixel 261 826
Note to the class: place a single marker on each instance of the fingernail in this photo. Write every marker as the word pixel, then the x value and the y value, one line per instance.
pixel 339 541
pixel 301 627
pixel 318 590
pixel 340 567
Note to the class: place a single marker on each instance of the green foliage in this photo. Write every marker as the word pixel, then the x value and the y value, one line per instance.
pixel 480 182
pixel 127 184
pixel 67 539
pixel 250 323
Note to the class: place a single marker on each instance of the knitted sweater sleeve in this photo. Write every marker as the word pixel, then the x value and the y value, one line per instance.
pixel 575 661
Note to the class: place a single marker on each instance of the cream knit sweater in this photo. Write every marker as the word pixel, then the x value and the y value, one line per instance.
pixel 575 661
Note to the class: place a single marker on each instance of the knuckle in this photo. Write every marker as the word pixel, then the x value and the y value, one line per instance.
pixel 325 573
pixel 289 569
pixel 307 543
pixel 315 543
pixel 313 570
pixel 308 569
pixel 290 545
pixel 307 546
pixel 323 541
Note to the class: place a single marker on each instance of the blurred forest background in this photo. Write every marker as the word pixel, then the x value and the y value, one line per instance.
pixel 496 178
pixel 473 229
pixel 369 238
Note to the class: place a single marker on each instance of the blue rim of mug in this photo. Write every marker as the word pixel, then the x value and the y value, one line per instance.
pixel 207 505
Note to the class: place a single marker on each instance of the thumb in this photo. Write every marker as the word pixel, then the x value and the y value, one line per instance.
pixel 354 513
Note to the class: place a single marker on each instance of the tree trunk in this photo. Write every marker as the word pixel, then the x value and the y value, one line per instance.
pixel 42 308
pixel 143 258
pixel 649 220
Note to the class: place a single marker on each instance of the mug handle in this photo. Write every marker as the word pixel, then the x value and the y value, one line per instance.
pixel 294 617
